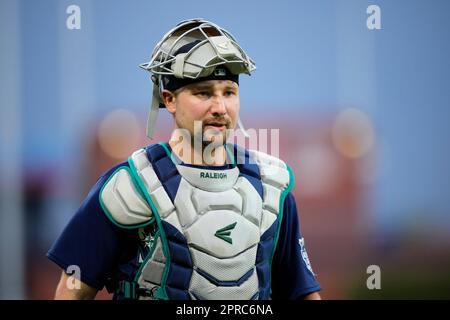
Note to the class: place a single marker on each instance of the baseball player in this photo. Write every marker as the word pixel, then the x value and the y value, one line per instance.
pixel 177 222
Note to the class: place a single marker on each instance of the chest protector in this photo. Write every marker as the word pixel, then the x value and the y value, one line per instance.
pixel 213 232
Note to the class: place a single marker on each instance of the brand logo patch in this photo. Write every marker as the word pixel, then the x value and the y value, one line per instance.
pixel 305 258
pixel 220 72
pixel 225 233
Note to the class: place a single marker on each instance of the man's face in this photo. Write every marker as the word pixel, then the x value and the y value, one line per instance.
pixel 214 103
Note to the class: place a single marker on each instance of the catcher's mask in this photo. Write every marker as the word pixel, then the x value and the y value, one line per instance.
pixel 195 50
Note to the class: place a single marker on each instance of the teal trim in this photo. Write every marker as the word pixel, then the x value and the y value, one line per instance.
pixel 169 154
pixel 280 217
pixel 127 291
pixel 149 255
pixel 108 214
pixel 230 155
pixel 127 288
pixel 161 292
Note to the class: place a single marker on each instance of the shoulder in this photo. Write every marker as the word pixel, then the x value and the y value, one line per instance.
pixel 122 198
pixel 90 234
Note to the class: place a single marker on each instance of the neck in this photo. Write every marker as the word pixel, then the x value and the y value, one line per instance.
pixel 199 154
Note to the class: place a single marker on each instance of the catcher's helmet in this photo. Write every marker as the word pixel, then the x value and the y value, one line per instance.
pixel 192 51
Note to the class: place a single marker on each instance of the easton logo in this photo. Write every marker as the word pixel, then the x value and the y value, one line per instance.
pixel 225 233
pixel 213 175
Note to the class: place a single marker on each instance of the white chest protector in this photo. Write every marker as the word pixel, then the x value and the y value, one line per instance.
pixel 215 230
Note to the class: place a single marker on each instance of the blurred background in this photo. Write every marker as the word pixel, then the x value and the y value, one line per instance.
pixel 363 117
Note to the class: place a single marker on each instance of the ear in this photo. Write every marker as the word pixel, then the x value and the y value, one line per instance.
pixel 169 99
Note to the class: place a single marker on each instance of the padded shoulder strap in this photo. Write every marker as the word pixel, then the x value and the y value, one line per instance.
pixel 274 171
pixel 277 181
pixel 122 201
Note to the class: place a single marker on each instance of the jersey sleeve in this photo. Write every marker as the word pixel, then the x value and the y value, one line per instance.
pixel 90 241
pixel 292 274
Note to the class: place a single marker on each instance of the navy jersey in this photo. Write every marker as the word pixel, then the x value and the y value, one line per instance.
pixel 106 253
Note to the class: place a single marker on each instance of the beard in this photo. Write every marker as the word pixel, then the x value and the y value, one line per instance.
pixel 207 142
pixel 200 135
pixel 216 139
